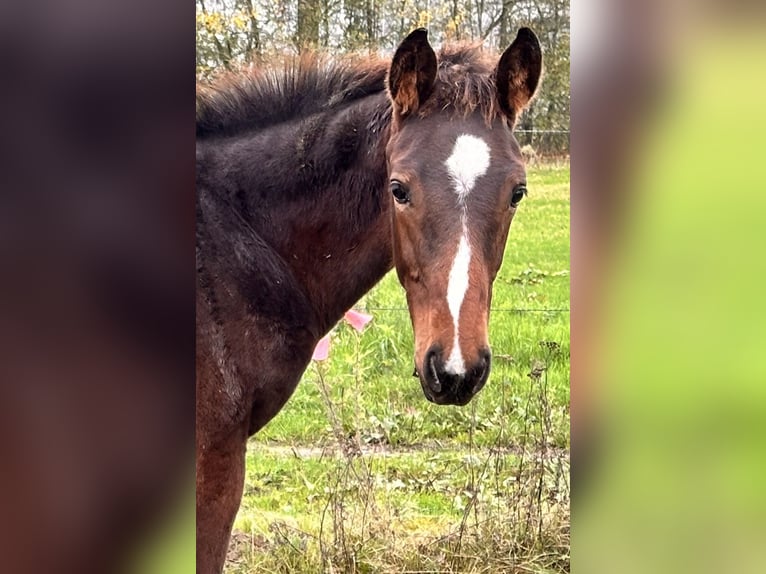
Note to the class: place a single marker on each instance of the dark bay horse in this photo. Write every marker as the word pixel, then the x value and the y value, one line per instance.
pixel 312 182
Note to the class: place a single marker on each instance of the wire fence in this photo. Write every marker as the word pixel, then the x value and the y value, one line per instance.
pixel 493 309
pixel 543 144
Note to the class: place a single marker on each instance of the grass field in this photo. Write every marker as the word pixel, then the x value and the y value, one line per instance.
pixel 359 473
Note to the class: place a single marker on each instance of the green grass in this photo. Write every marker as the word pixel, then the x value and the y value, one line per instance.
pixel 395 476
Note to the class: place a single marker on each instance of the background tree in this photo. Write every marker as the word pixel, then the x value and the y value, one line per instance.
pixel 309 16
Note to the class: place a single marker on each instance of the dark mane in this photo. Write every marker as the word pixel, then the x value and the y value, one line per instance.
pixel 262 95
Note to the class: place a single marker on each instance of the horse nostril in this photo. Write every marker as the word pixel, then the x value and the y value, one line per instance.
pixel 436 384
pixel 481 372
pixel 485 358
pixel 431 372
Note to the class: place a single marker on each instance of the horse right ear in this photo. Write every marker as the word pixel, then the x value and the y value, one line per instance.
pixel 518 73
pixel 413 73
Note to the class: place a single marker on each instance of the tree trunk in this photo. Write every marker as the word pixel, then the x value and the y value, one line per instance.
pixel 254 37
pixel 307 34
pixel 505 37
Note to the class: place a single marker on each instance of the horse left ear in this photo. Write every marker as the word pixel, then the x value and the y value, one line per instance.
pixel 413 73
pixel 518 73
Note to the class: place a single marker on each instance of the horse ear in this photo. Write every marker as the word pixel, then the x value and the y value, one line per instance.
pixel 412 73
pixel 518 73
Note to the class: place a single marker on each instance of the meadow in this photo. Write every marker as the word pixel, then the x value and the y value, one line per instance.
pixel 360 473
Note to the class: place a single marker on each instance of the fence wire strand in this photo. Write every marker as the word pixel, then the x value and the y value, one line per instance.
pixel 493 309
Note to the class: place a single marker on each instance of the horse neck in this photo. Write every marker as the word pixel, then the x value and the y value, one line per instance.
pixel 335 234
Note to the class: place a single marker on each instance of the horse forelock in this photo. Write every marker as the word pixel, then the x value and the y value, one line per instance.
pixel 465 83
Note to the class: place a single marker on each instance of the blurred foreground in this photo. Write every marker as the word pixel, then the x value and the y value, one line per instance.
pixel 96 284
pixel 668 313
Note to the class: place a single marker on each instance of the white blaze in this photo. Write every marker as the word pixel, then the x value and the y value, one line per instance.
pixel 456 290
pixel 468 161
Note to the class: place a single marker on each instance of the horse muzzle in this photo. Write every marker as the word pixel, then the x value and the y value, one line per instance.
pixel 445 388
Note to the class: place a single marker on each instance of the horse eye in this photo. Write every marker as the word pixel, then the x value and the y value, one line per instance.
pixel 518 194
pixel 401 194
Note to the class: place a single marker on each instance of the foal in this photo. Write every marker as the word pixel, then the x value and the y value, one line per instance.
pixel 312 182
